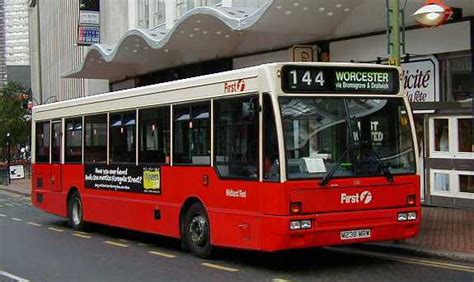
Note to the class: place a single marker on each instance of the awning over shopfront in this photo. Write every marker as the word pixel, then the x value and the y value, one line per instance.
pixel 208 33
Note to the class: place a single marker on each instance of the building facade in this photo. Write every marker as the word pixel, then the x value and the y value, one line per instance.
pixel 3 64
pixel 16 32
pixel 150 41
pixel 17 41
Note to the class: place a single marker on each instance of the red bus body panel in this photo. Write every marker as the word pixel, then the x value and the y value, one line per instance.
pixel 256 216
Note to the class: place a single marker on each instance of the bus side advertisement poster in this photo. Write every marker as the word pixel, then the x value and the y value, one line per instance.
pixel 349 80
pixel 125 178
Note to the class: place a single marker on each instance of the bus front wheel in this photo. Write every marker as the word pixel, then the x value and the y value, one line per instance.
pixel 197 231
pixel 75 212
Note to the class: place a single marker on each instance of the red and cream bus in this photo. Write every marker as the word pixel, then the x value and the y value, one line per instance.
pixel 273 157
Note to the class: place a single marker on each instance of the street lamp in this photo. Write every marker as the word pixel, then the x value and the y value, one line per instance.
pixel 433 13
pixel 8 157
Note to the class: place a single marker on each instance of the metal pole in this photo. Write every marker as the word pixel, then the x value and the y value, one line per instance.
pixel 394 31
pixel 8 157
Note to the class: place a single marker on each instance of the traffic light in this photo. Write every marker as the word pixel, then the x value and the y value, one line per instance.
pixel 24 98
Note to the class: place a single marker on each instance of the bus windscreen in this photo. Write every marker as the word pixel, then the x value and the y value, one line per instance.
pixel 348 80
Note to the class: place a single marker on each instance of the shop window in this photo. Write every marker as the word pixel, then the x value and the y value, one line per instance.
pixel 441 132
pixel 465 135
pixel 466 183
pixel 192 134
pixel 154 137
pixel 461 84
pixel 236 137
pixel 441 182
pixel 73 151
pixel 95 140
pixel 122 137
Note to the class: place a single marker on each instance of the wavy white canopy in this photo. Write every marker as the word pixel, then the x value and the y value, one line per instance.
pixel 207 33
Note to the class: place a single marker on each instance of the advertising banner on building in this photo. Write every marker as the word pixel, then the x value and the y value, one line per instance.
pixel 124 178
pixel 421 79
pixel 89 22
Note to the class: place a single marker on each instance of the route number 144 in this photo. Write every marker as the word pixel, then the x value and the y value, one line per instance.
pixel 306 78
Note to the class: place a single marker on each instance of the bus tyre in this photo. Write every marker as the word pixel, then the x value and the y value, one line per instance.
pixel 75 212
pixel 197 231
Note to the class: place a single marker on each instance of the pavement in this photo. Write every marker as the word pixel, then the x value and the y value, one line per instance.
pixel 446 233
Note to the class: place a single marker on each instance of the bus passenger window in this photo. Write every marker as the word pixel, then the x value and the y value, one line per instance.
pixel 42 142
pixel 73 153
pixel 271 161
pixel 154 135
pixel 95 140
pixel 192 134
pixel 56 138
pixel 122 137
pixel 236 137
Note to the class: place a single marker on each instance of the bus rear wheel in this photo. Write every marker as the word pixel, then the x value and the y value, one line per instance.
pixel 75 212
pixel 197 231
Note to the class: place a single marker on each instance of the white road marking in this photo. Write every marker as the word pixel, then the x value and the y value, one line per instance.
pixel 34 223
pixel 14 277
pixel 3 215
pixel 81 235
pixel 17 219
pixel 55 229
pixel 81 232
pixel 162 254
pixel 215 266
pixel 116 244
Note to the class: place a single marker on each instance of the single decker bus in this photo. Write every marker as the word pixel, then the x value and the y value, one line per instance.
pixel 272 157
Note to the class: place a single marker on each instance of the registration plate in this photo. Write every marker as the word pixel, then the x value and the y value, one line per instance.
pixel 355 234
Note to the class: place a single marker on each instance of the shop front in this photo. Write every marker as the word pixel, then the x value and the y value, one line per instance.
pixel 438 79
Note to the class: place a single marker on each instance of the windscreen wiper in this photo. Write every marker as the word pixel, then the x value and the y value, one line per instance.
pixel 384 168
pixel 330 174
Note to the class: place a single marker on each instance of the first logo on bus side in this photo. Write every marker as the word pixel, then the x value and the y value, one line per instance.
pixel 234 86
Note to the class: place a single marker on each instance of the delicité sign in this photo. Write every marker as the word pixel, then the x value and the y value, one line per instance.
pixel 420 77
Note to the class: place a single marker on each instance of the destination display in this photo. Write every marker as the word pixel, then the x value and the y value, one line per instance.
pixel 349 80
pixel 124 178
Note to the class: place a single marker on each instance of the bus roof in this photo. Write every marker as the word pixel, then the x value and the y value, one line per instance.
pixel 256 78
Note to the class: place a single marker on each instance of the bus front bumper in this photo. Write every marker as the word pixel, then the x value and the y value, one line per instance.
pixel 338 228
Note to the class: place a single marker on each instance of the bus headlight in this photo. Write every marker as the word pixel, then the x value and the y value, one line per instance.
pixel 300 224
pixel 306 224
pixel 402 216
pixel 295 225
pixel 412 216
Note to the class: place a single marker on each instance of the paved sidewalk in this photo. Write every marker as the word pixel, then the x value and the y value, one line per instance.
pixel 445 232
pixel 22 186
